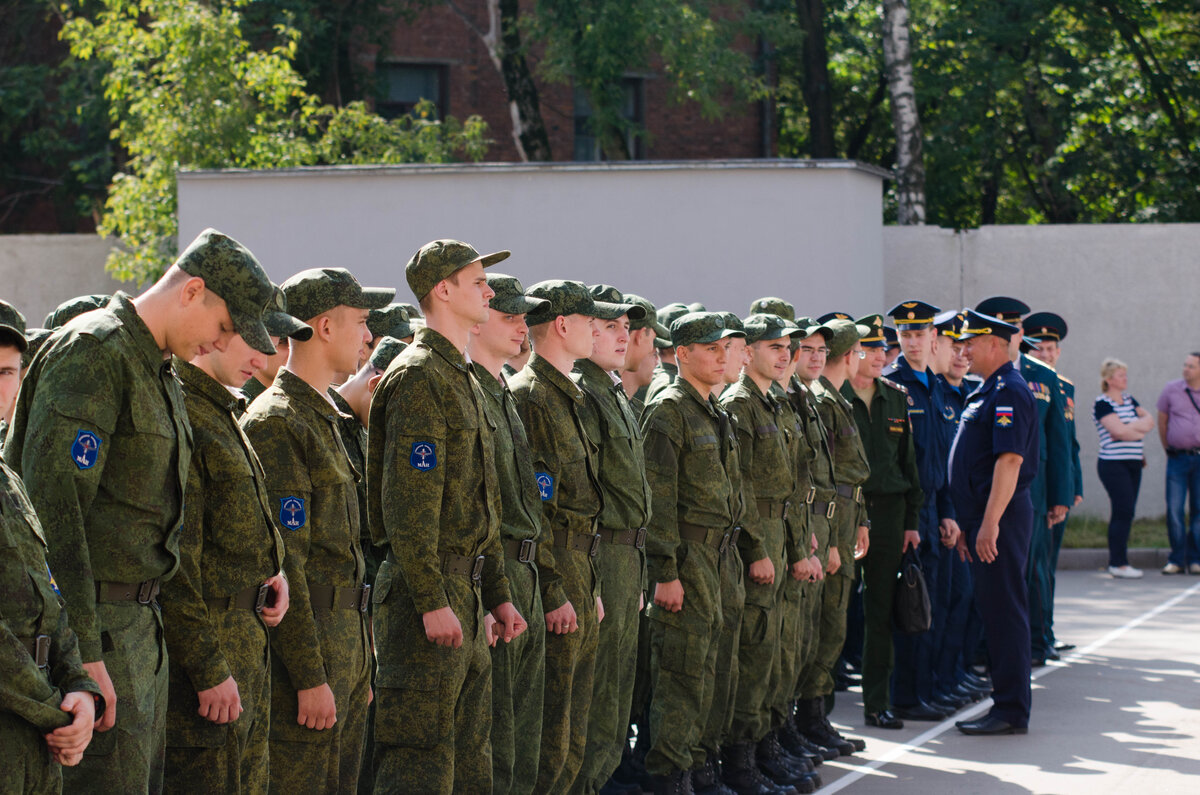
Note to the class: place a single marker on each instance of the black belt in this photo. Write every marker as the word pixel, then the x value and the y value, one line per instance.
pixel 252 598
pixel 143 593
pixel 334 598
pixel 772 509
pixel 828 509
pixel 634 538
pixel 849 492
pixel 523 551
pixel 588 543
pixel 1173 451
pixel 463 565
pixel 39 649
pixel 709 536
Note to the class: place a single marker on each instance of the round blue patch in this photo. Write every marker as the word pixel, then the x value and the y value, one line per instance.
pixel 86 450
pixel 423 456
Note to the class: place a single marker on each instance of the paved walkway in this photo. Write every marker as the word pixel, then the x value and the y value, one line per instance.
pixel 1120 714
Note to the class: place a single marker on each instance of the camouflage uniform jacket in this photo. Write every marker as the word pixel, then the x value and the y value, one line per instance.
pixel 30 606
pixel 354 438
pixel 100 437
pixel 850 466
pixel 692 466
pixel 552 408
pixel 622 469
pixel 814 471
pixel 664 375
pixel 311 489
pixel 229 541
pixel 251 390
pixel 432 487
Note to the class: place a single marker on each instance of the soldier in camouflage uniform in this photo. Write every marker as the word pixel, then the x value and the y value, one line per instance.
pixel 101 439
pixel 519 667
pixel 50 703
pixel 691 463
pixel 667 370
pixel 229 587
pixel 622 527
pixel 553 407
pixel 320 675
pixel 641 358
pixel 13 346
pixel 263 378
pixel 72 308
pixel 434 497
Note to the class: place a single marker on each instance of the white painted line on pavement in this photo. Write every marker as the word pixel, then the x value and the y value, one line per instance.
pixel 871 767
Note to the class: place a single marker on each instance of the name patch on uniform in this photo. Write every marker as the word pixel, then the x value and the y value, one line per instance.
pixel 1004 416
pixel 545 484
pixel 53 584
pixel 86 450
pixel 423 456
pixel 291 513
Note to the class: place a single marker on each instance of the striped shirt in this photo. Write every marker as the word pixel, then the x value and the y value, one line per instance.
pixel 1126 411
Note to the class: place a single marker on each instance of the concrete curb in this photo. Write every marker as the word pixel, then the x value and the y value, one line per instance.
pixel 1097 559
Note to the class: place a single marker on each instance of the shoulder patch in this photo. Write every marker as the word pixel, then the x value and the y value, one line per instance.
pixel 423 456
pixel 86 449
pixel 545 484
pixel 291 513
pixel 894 385
pixel 1004 416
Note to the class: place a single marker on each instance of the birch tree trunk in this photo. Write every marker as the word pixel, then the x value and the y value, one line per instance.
pixel 910 163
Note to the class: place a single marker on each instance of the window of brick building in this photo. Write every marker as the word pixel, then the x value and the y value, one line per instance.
pixel 587 145
pixel 402 85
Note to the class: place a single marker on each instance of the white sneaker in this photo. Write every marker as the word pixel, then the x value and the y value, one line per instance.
pixel 1172 568
pixel 1126 572
pixel 1194 568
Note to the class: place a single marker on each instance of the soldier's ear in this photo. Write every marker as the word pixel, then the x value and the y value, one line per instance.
pixel 373 382
pixel 191 291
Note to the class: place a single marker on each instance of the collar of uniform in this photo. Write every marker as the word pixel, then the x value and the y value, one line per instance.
pixel 691 391
pixel 902 368
pixel 996 377
pixel 201 383
pixel 302 392
pixel 551 374
pixel 748 382
pixel 443 347
pixel 490 383
pixel 595 375
pixel 341 404
pixel 122 306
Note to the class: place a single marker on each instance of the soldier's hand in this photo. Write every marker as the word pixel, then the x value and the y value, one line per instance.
pixel 489 629
pixel 948 528
pixel 442 627
pixel 317 709
pixel 985 543
pixel 1078 499
pixel 762 571
pixel 271 616
pixel 67 743
pixel 98 672
pixel 562 620
pixel 835 561
pixel 220 704
pixel 599 609
pixel 509 623
pixel 912 540
pixel 1057 514
pixel 960 544
pixel 862 542
pixel 669 595
pixel 816 572
pixel 800 570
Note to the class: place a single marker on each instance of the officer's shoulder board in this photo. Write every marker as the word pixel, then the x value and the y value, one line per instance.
pixel 1065 380
pixel 901 388
pixel 1039 367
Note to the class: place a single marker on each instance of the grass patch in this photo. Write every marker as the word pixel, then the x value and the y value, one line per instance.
pixel 1084 532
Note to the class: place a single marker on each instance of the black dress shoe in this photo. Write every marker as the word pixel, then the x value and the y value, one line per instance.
pixel 989 724
pixel 969 693
pixel 1051 654
pixel 884 720
pixel 919 711
pixel 1063 646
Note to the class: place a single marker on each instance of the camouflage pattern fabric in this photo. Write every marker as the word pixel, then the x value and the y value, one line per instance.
pixel 664 375
pixel 230 271
pixel 72 308
pixel 250 392
pixel 317 290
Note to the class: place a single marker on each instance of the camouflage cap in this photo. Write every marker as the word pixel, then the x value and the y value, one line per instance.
pixel 390 321
pixel 385 350
pixel 232 272
pixel 774 306
pixel 731 321
pixel 845 334
pixel 700 328
pixel 874 337
pixel 441 259
pixel 605 295
pixel 74 307
pixel 280 324
pixel 565 297
pixel 510 298
pixel 649 320
pixel 412 310
pixel 12 327
pixel 662 344
pixel 317 290
pixel 669 313
pixel 763 326
pixel 37 338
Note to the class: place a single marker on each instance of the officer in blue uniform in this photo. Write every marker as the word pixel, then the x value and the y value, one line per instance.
pixel 993 462
pixel 916 693
pixel 1049 330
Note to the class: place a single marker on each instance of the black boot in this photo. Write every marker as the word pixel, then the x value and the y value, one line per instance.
pixel 794 743
pixel 740 772
pixel 817 729
pixel 808 722
pixel 772 762
pixel 677 782
pixel 706 779
pixel 799 761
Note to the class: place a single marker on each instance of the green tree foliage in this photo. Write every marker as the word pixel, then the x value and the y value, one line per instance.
pixel 186 90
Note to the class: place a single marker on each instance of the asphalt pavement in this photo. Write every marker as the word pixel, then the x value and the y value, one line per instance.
pixel 1119 714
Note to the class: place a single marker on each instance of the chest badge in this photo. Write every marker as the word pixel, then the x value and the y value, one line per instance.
pixel 291 513
pixel 545 484
pixel 423 456
pixel 86 449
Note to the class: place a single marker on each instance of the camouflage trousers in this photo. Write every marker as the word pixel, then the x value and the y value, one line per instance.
pixel 433 704
pixel 202 756
pixel 733 601
pixel 327 760
pixel 760 655
pixel 570 670
pixel 683 662
pixel 28 766
pixel 128 758
pixel 620 569
pixel 830 634
pixel 518 679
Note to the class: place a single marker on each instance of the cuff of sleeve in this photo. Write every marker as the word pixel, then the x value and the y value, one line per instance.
pixel 553 597
pixel 496 594
pixel 306 677
pixel 755 551
pixel 90 650
pixel 209 673
pixel 427 603
pixel 663 570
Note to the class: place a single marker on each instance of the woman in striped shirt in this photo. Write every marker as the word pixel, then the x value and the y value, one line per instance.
pixel 1122 423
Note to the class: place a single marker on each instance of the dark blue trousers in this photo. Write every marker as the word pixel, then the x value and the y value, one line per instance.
pixel 949 664
pixel 1001 595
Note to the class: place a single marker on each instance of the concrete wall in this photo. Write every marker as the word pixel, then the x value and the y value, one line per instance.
pixel 1127 291
pixel 38 272
pixel 723 233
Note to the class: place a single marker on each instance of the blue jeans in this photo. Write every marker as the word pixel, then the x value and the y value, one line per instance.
pixel 1183 483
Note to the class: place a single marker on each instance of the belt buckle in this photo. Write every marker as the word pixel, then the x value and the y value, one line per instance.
pixel 260 601
pixel 812 495
pixel 724 543
pixel 477 569
pixel 639 538
pixel 146 592
pixel 528 550
pixel 831 510
pixel 364 599
pixel 733 536
pixel 41 651
pixel 594 549
pixel 786 505
pixel 858 493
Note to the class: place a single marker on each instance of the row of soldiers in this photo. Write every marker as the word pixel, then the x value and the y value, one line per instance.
pixel 519 567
